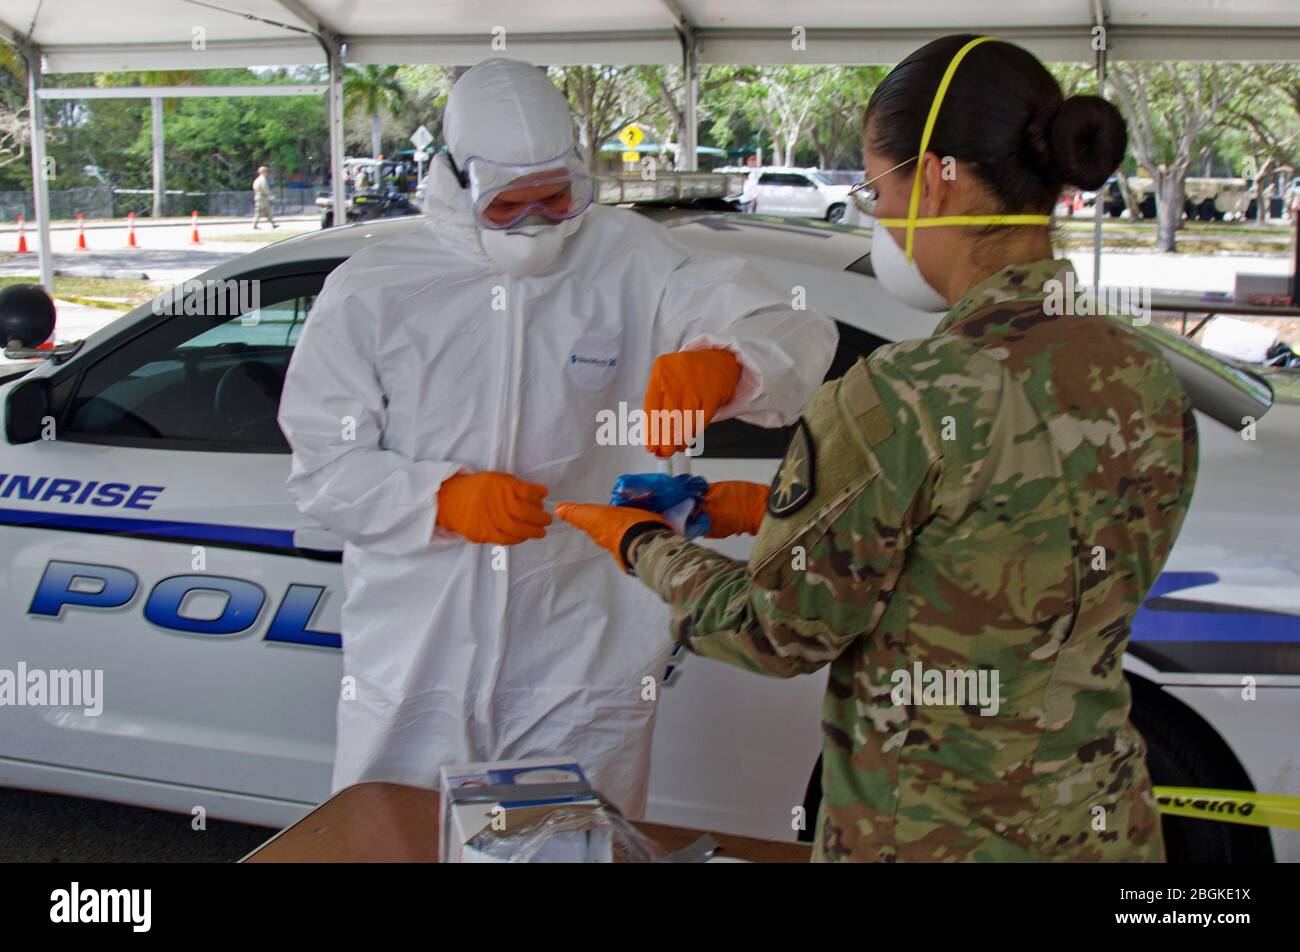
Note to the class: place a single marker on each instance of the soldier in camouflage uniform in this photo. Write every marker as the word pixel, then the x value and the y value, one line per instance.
pixel 1021 540
pixel 997 497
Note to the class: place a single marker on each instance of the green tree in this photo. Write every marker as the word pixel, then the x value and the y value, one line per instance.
pixel 836 132
pixel 1174 115
pixel 157 108
pixel 666 92
pixel 603 100
pixel 373 91
pixel 1264 116
pixel 218 142
pixel 782 101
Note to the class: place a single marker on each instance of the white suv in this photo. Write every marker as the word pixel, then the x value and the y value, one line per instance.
pixel 800 193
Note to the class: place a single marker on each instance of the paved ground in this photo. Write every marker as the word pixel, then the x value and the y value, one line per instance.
pixel 164 253
pixel 48 828
pixel 1188 274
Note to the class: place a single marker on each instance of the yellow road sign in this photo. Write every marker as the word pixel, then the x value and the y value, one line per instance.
pixel 631 156
pixel 631 136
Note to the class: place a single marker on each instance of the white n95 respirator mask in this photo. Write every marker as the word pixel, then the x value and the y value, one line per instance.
pixel 900 277
pixel 529 249
pixel 895 266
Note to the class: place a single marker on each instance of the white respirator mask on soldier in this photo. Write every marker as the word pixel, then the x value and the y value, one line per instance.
pixel 900 277
pixel 895 267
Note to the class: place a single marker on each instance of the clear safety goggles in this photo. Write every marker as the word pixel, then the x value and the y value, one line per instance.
pixel 502 195
pixel 864 196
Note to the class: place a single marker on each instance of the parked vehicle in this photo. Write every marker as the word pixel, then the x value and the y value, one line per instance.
pixel 1206 199
pixel 800 193
pixel 154 540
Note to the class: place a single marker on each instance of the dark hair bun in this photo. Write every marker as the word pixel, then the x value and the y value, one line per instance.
pixel 1087 138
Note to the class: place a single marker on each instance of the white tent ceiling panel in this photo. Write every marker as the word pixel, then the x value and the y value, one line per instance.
pixel 541 48
pixel 91 22
pixel 105 57
pixel 480 18
pixel 85 35
pixel 865 47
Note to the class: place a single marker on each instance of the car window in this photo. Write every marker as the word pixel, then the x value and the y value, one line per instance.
pixel 733 439
pixel 771 178
pixel 799 181
pixel 196 381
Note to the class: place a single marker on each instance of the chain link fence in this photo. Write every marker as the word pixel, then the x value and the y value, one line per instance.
pixel 116 203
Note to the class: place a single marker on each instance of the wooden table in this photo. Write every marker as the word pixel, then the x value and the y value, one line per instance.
pixel 376 822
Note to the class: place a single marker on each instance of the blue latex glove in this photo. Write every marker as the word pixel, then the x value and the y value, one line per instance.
pixel 667 495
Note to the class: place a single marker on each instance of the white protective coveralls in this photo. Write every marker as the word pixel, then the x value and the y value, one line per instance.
pixel 443 364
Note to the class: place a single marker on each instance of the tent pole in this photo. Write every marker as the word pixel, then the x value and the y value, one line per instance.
pixel 689 160
pixel 1099 203
pixel 334 115
pixel 40 181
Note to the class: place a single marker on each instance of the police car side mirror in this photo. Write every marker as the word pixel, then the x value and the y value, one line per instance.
pixel 27 321
pixel 27 410
pixel 26 316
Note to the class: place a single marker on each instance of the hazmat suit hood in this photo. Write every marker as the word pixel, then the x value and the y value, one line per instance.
pixel 501 110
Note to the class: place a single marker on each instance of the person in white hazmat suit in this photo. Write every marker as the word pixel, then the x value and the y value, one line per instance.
pixel 446 380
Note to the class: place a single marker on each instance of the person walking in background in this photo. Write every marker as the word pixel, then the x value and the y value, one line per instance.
pixel 749 195
pixel 262 197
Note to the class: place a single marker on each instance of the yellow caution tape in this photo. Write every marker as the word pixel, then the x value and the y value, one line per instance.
pixel 1231 806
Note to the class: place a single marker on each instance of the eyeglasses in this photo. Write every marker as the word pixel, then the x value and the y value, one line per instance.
pixel 865 197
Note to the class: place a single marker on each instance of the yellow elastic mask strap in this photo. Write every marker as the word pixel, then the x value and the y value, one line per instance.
pixel 914 204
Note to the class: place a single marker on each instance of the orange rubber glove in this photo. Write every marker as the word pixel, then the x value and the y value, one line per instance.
pixel 687 381
pixel 608 525
pixel 735 507
pixel 492 507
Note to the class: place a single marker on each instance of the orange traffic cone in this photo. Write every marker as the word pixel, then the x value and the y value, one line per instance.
pixel 130 230
pixel 22 238
pixel 81 232
pixel 194 228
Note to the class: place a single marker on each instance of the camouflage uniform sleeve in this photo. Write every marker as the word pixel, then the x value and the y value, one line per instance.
pixel 856 483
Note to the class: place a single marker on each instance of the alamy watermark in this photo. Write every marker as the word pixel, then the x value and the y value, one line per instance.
pixel 212 298
pixel 636 427
pixel 36 687
pixel 946 687
pixel 1066 298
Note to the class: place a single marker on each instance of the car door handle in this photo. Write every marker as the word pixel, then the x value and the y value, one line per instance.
pixel 316 539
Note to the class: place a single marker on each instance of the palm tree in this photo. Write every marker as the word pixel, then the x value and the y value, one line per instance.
pixel 12 61
pixel 373 90
pixel 173 77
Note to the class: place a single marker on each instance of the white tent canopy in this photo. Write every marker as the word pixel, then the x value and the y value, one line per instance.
pixel 62 36
pixel 91 35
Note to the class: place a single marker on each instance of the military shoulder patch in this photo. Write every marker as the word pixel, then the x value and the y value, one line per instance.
pixel 793 485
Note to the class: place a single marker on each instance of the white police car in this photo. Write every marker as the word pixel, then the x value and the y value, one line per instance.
pixel 152 540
